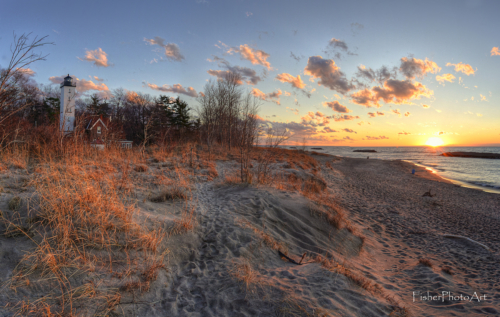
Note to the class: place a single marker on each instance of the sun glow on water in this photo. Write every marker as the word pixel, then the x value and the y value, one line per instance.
pixel 434 141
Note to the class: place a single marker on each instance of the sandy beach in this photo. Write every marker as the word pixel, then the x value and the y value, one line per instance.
pixel 390 247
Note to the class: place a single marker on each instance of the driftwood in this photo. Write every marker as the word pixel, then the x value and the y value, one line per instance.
pixel 281 254
pixel 465 238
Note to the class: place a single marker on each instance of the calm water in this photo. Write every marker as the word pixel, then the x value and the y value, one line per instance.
pixel 474 171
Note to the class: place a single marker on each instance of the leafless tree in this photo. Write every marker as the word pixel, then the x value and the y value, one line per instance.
pixel 14 96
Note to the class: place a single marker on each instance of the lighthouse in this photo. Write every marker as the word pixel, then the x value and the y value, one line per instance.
pixel 67 118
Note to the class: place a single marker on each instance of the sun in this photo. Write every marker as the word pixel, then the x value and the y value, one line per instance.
pixel 434 141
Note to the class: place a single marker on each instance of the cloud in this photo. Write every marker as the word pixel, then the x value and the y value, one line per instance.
pixel 295 111
pixel 256 57
pixel 336 106
pixel 248 13
pixel 286 93
pixel 394 91
pixel 273 96
pixel 426 106
pixel 445 77
pixel 464 68
pixel 82 85
pixel 172 51
pixel 98 56
pixel 349 130
pixel 407 114
pixel 404 133
pixel 348 138
pixel 495 51
pixel 343 117
pixel 356 28
pixel 295 81
pixel 296 129
pixel 295 57
pixel 380 137
pixel 328 130
pixel 483 98
pixel 315 119
pixel 396 111
pixel 414 67
pixel 26 71
pixel 246 73
pixel 334 45
pixel 338 44
pixel 362 122
pixel 329 74
pixel 98 79
pixel 479 114
pixel 375 114
pixel 176 89
pixel 379 75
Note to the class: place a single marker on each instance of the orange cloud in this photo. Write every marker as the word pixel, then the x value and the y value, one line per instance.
pixel 445 77
pixel 329 74
pixel 98 56
pixel 336 106
pixel 176 88
pixel 82 85
pixel 295 81
pixel 315 119
pixel 256 57
pixel 273 96
pixel 426 106
pixel 495 51
pixel 407 114
pixel 396 111
pixel 413 67
pixel 26 71
pixel 464 68
pixel 394 91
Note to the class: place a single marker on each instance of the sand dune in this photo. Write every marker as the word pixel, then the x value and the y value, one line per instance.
pixel 398 246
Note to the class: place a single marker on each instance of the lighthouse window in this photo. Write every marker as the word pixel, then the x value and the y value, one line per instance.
pixel 98 130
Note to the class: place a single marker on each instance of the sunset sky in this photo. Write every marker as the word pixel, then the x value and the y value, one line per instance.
pixel 351 73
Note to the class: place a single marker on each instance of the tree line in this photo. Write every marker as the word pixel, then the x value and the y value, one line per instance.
pixel 224 114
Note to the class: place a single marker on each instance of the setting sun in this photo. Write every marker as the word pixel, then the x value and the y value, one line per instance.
pixel 434 141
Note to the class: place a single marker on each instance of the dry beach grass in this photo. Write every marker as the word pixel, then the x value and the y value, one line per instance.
pixel 171 232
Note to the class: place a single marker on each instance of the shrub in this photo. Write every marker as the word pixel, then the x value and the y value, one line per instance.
pixel 170 193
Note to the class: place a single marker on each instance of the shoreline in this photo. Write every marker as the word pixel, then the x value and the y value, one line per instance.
pixel 454 181
pixel 434 174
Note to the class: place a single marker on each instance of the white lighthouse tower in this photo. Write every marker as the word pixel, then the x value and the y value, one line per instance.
pixel 67 119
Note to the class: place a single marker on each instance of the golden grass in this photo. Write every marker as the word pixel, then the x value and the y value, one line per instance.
pixel 82 229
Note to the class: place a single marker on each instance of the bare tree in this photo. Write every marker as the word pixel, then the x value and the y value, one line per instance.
pixel 13 96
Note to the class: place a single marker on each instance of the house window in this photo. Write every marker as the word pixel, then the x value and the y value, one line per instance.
pixel 98 130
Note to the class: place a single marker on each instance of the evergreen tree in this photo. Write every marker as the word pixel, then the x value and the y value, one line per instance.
pixel 51 107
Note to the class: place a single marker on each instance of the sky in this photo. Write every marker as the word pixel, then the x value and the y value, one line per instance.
pixel 346 73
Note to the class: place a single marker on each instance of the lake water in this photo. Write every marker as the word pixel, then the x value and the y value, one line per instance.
pixel 476 172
